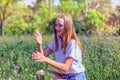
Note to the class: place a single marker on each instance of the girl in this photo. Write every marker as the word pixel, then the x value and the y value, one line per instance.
pixel 67 50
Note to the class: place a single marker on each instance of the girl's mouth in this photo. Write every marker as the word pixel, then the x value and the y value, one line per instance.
pixel 59 31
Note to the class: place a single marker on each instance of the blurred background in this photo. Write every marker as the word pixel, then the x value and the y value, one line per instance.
pixel 90 16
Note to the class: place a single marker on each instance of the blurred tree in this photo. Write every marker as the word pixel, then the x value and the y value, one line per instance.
pixel 113 21
pixel 44 13
pixel 94 20
pixel 18 21
pixel 51 2
pixel 72 7
pixel 103 6
pixel 115 17
pixel 5 12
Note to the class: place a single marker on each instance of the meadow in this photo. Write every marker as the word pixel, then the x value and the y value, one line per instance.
pixel 101 57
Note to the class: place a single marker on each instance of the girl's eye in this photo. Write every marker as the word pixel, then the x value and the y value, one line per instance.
pixel 60 25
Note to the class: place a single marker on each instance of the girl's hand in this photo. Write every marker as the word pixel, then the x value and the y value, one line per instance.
pixel 38 57
pixel 38 38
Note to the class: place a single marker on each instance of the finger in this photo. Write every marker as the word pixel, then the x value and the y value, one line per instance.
pixel 35 38
pixel 36 58
pixel 38 61
pixel 37 35
pixel 34 55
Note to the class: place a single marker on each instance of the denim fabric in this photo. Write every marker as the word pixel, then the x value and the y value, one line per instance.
pixel 76 76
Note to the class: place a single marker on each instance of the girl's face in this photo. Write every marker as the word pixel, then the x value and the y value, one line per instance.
pixel 59 26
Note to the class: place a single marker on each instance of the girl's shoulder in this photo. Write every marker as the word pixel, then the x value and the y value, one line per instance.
pixel 72 42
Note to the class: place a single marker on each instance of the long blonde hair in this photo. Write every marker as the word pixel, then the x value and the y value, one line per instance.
pixel 68 33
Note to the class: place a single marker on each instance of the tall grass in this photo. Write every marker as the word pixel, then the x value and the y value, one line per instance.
pixel 15 57
pixel 101 57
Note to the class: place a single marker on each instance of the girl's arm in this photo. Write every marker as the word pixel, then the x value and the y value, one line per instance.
pixel 64 67
pixel 47 51
pixel 38 39
pixel 40 48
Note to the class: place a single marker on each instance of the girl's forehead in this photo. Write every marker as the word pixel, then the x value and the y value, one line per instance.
pixel 60 20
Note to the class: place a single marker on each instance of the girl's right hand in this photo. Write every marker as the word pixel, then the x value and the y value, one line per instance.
pixel 38 38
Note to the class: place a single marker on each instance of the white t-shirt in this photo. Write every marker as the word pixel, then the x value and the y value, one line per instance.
pixel 73 51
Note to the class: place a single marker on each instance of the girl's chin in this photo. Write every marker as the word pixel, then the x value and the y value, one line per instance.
pixel 59 34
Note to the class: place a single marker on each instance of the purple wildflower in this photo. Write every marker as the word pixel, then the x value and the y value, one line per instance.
pixel 16 66
pixel 119 67
pixel 111 60
pixel 89 46
pixel 33 49
pixel 85 57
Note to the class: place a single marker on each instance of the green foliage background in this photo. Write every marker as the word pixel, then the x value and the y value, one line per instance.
pixel 21 19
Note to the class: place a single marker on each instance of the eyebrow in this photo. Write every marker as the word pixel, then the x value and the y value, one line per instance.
pixel 59 24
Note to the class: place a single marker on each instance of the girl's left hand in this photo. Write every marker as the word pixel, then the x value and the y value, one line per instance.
pixel 38 38
pixel 38 57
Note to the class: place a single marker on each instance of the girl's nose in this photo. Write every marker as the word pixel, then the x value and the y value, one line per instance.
pixel 57 27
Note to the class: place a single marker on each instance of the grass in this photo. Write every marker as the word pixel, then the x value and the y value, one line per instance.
pixel 101 57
